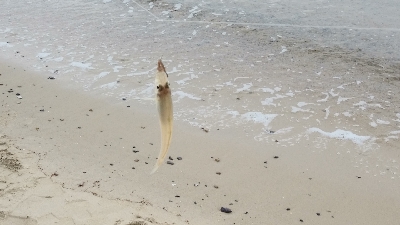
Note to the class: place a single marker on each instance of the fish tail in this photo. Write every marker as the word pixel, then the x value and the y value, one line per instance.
pixel 158 163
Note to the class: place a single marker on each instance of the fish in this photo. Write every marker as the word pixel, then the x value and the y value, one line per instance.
pixel 165 112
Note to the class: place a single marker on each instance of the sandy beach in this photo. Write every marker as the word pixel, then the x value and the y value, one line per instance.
pixel 282 119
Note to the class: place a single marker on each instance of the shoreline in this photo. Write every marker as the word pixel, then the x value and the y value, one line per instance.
pixel 92 154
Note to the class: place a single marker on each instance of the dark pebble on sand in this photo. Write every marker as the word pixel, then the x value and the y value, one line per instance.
pixel 111 164
pixel 42 110
pixel 276 157
pixel 133 168
pixel 318 214
pixel 135 151
pixel 123 99
pixel 226 210
pixel 51 78
pixel 177 196
pixel 128 106
pixel 170 158
pixel 136 160
pixel 246 213
pixel 276 141
pixel 219 173
pixel 18 94
pixel 265 162
pixel 179 158
pixel 170 163
pixel 287 209
pixel 301 220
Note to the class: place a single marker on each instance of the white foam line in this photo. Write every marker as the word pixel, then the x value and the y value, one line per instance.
pixel 284 25
pixel 333 94
pixel 182 95
pixel 240 78
pixel 325 99
pixel 259 117
pixel 244 88
pixel 341 135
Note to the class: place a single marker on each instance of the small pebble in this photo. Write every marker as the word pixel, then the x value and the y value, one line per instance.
pixel 170 163
pixel 170 158
pixel 215 186
pixel 219 173
pixel 226 210
pixel 179 158
pixel 51 78
pixel 136 160
pixel 276 157
pixel 204 129
pixel 318 214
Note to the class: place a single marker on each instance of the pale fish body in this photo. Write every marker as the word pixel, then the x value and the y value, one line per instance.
pixel 165 112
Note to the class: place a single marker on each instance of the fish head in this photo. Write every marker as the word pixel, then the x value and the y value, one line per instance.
pixel 162 83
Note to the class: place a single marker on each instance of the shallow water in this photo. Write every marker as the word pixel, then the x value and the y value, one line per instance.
pixel 281 70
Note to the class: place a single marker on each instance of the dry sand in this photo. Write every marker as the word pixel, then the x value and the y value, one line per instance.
pixel 295 121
